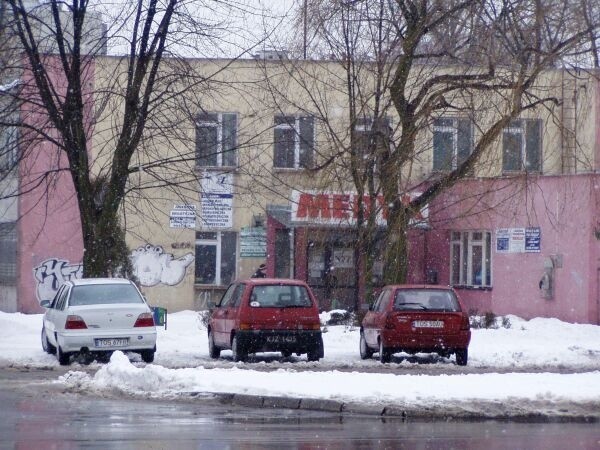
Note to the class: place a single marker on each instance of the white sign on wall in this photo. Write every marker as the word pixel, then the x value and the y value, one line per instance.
pixel 216 203
pixel 183 216
pixel 518 240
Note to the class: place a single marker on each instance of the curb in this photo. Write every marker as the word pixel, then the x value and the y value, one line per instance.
pixel 384 411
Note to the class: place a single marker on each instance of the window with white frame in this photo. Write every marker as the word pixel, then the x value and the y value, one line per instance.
pixel 8 252
pixel 294 142
pixel 470 258
pixel 452 142
pixel 216 140
pixel 215 257
pixel 521 146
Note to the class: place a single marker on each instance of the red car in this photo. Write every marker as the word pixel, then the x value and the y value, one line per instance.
pixel 415 319
pixel 266 315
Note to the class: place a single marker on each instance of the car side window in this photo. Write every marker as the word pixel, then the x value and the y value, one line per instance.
pixel 56 298
pixel 383 301
pixel 378 301
pixel 226 299
pixel 60 303
pixel 236 298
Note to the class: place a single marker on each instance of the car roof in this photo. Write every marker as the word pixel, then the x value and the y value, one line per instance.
pixel 419 286
pixel 284 281
pixel 89 281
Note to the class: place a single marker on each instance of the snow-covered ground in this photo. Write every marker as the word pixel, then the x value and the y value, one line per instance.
pixel 540 360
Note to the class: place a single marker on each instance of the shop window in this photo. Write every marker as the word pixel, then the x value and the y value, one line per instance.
pixel 294 139
pixel 521 146
pixel 216 136
pixel 470 256
pixel 452 142
pixel 215 257
pixel 8 253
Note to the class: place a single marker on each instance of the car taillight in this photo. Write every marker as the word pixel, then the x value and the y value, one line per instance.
pixel 314 326
pixel 245 326
pixel 75 323
pixel 465 325
pixel 390 322
pixel 144 320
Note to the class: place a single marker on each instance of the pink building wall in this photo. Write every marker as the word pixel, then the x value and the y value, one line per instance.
pixel 564 207
pixel 49 231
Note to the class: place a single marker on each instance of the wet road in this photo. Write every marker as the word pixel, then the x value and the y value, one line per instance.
pixel 37 415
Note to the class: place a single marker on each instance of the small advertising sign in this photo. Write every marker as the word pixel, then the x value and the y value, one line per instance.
pixel 518 240
pixel 216 201
pixel 253 242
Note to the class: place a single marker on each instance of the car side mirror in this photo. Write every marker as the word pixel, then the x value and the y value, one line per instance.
pixel 371 307
pixel 45 304
pixel 211 305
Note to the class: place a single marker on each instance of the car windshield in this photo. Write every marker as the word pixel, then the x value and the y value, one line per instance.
pixel 97 294
pixel 280 296
pixel 425 299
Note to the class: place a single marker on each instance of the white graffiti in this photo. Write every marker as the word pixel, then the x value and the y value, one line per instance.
pixel 151 265
pixel 51 274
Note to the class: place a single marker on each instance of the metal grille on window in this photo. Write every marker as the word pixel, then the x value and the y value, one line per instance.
pixel 8 253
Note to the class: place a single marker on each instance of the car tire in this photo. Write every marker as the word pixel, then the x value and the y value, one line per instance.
pixel 213 351
pixel 317 352
pixel 64 358
pixel 385 356
pixel 239 353
pixel 148 355
pixel 462 356
pixel 365 351
pixel 46 345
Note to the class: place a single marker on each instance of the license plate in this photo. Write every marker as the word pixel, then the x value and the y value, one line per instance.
pixel 278 339
pixel 428 324
pixel 111 342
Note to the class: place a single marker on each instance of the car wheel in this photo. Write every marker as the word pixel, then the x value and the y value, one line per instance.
pixel 213 351
pixel 365 351
pixel 385 356
pixel 147 355
pixel 64 358
pixel 239 353
pixel 317 352
pixel 46 345
pixel 462 355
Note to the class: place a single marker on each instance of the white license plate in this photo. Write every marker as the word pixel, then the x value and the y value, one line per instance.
pixel 278 339
pixel 111 342
pixel 428 324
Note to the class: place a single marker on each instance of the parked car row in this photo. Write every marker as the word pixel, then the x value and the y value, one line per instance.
pixel 94 317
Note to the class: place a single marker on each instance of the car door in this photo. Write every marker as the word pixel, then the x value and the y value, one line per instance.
pixel 378 317
pixel 233 311
pixel 219 318
pixel 50 315
pixel 368 322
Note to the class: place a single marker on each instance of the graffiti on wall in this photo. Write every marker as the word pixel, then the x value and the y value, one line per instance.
pixel 152 265
pixel 52 273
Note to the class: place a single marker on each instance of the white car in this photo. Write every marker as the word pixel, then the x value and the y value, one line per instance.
pixel 93 317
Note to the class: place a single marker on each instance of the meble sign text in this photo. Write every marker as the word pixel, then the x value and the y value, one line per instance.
pixel 332 208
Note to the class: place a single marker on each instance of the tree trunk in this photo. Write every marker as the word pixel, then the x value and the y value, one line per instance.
pixel 395 269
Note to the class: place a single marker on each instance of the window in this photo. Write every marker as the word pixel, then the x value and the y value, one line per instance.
pixel 470 256
pixel 521 145
pixel 215 257
pixel 371 132
pixel 8 253
pixel 216 135
pixel 452 142
pixel 294 139
pixel 8 147
pixel 104 294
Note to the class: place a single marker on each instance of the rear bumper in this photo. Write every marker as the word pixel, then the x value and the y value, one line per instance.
pixel 295 341
pixel 426 343
pixel 74 341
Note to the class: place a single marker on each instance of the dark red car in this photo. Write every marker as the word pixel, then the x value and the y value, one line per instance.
pixel 415 319
pixel 266 315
